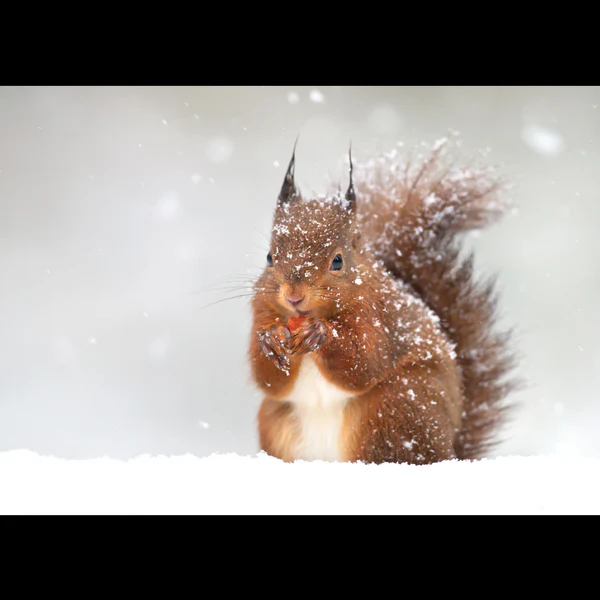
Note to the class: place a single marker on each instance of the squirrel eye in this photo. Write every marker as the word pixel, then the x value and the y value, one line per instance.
pixel 269 259
pixel 336 264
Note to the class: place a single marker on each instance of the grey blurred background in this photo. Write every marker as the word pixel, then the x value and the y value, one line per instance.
pixel 123 209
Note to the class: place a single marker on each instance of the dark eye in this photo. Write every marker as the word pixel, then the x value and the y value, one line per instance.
pixel 336 263
pixel 269 259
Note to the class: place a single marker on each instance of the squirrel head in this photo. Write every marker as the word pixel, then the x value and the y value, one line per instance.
pixel 314 248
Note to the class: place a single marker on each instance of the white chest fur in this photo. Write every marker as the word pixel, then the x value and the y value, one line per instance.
pixel 319 410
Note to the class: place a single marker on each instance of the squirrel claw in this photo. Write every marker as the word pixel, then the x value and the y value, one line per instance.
pixel 273 344
pixel 309 338
pixel 283 363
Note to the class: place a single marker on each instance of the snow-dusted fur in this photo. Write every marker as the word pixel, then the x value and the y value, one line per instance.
pixel 410 213
pixel 318 407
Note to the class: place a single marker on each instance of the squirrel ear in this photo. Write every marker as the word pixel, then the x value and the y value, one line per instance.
pixel 350 194
pixel 288 189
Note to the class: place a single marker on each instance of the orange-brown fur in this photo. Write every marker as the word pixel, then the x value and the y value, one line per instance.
pixel 402 326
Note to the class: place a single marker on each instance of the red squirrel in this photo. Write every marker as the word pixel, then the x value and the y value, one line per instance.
pixel 390 355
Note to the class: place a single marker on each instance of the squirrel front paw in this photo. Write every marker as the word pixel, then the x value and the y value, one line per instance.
pixel 311 336
pixel 274 345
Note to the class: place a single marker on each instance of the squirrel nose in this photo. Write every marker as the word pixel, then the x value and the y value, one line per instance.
pixel 294 300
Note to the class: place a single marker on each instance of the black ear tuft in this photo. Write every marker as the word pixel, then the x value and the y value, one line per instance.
pixel 350 194
pixel 288 189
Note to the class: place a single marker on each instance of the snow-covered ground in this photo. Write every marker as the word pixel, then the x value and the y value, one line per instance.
pixel 259 484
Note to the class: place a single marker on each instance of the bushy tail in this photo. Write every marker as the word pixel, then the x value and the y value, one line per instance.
pixel 410 214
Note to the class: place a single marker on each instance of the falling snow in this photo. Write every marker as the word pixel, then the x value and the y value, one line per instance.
pixel 317 96
pixel 158 349
pixel 542 140
pixel 168 208
pixel 220 149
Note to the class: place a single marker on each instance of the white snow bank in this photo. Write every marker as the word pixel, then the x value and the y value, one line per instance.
pixel 233 484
